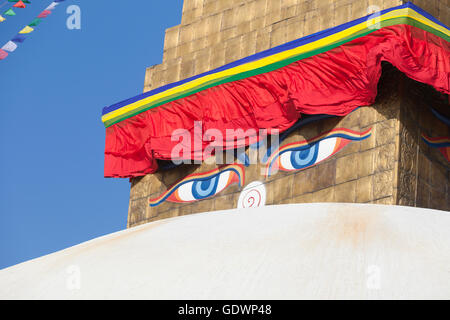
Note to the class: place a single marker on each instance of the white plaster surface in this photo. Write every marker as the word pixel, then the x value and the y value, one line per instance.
pixel 313 251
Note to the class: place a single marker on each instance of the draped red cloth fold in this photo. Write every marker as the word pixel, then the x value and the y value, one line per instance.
pixel 335 82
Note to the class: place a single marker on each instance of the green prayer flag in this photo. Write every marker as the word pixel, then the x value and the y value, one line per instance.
pixel 35 22
pixel 9 12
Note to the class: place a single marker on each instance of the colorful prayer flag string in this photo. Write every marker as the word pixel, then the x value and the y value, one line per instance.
pixel 11 45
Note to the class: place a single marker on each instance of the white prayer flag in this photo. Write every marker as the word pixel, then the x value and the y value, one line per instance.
pixel 10 46
pixel 52 6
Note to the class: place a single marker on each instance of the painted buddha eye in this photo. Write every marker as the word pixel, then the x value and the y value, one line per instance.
pixel 201 186
pixel 303 154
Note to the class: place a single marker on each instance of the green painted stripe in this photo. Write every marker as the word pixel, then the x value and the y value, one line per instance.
pixel 273 66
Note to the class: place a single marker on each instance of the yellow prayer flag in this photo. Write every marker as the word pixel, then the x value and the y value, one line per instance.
pixel 27 29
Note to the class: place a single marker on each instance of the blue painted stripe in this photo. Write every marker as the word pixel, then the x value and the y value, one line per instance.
pixel 436 145
pixel 440 117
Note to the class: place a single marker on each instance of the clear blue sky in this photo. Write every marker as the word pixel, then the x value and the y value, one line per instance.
pixel 53 87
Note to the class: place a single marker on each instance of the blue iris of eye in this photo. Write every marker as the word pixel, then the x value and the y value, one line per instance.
pixel 204 188
pixel 305 157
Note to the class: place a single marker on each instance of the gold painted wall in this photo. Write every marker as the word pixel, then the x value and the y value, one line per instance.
pixel 393 166
pixel 423 171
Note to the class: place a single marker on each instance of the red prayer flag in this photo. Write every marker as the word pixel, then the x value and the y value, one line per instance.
pixel 19 4
pixel 3 54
